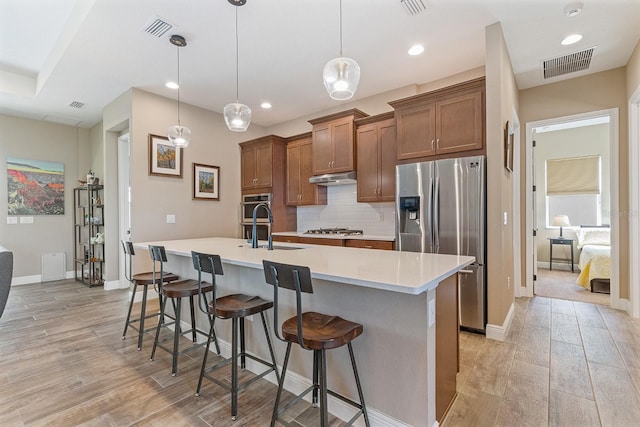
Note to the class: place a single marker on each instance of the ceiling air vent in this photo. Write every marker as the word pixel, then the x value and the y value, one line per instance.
pixel 157 27
pixel 415 6
pixel 577 61
pixel 76 104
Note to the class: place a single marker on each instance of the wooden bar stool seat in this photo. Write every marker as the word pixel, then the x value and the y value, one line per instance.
pixel 175 291
pixel 235 307
pixel 320 331
pixel 312 331
pixel 140 279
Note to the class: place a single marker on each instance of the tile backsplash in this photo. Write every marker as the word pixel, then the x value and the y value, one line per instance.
pixel 343 210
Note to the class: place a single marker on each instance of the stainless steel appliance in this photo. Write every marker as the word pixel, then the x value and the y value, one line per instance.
pixel 441 208
pixel 262 230
pixel 250 201
pixel 336 231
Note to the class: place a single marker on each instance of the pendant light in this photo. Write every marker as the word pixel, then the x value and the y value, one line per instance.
pixel 237 115
pixel 341 75
pixel 179 136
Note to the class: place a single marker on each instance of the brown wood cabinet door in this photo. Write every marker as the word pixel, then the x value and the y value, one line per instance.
pixel 248 165
pixel 293 174
pixel 368 163
pixel 416 131
pixel 287 239
pixel 264 165
pixel 342 143
pixel 459 125
pixel 387 172
pixel 446 344
pixel 322 150
pixel 322 241
pixel 308 192
pixel 369 244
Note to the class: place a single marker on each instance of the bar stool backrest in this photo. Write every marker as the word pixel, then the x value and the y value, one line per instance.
pixel 128 252
pixel 292 277
pixel 211 264
pixel 158 255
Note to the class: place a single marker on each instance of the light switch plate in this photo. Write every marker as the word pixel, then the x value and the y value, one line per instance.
pixel 432 312
pixel 12 220
pixel 504 220
pixel 171 219
pixel 26 220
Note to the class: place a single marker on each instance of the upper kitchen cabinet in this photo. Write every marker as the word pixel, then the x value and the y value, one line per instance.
pixel 441 123
pixel 333 142
pixel 299 170
pixel 257 161
pixel 376 158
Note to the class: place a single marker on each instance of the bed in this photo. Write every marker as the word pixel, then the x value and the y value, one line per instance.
pixel 595 258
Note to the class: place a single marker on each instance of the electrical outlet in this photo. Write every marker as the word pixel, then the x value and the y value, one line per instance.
pixel 432 312
pixel 171 219
pixel 504 219
pixel 12 220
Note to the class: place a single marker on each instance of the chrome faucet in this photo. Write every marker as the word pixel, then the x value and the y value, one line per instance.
pixel 254 231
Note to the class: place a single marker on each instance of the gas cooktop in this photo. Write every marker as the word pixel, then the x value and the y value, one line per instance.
pixel 336 231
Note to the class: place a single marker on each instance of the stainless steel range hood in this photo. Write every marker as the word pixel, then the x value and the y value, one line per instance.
pixel 334 178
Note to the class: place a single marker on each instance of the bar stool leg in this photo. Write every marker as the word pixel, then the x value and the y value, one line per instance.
pixel 234 368
pixel 242 357
pixel 143 315
pixel 155 341
pixel 316 385
pixel 324 415
pixel 176 338
pixel 360 394
pixel 273 355
pixel 193 321
pixel 126 325
pixel 206 353
pixel 274 417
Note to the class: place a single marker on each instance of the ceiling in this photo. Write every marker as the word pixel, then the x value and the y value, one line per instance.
pixel 53 53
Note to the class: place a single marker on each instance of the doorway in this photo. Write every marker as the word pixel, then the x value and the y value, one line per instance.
pixel 124 197
pixel 593 209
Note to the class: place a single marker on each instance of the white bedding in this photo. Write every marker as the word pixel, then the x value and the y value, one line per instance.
pixel 589 251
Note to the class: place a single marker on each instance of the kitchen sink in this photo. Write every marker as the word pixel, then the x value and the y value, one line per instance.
pixel 275 247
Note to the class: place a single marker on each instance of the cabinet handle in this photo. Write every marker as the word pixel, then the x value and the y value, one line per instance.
pixel 432 144
pixel 368 246
pixel 438 143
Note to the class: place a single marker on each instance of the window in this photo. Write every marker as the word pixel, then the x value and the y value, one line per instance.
pixel 573 189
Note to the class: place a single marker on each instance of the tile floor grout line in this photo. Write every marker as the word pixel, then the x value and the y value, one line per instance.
pixel 586 360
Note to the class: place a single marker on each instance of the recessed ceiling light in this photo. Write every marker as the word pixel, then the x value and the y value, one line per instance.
pixel 416 49
pixel 573 9
pixel 172 85
pixel 265 105
pixel 573 38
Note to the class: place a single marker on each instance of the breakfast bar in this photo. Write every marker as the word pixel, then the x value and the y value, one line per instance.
pixel 393 294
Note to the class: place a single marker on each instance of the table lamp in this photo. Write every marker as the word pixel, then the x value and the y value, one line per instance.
pixel 561 221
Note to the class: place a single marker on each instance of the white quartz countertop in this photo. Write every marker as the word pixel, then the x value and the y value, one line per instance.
pixel 404 272
pixel 336 236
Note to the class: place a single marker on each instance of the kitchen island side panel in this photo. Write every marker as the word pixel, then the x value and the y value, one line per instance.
pixel 394 355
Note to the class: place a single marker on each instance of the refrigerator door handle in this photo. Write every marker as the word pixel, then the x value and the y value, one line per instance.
pixel 436 213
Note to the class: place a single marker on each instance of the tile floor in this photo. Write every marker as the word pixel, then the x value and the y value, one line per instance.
pixel 563 363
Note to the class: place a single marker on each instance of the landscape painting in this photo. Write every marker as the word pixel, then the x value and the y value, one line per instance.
pixel 206 182
pixel 164 158
pixel 35 187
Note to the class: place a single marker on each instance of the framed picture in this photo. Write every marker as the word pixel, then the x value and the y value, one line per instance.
pixel 206 182
pixel 164 158
pixel 508 147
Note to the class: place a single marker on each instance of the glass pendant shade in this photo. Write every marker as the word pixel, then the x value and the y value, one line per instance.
pixel 237 116
pixel 341 77
pixel 179 136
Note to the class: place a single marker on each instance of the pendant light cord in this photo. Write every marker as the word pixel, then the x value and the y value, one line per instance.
pixel 340 28
pixel 178 53
pixel 237 61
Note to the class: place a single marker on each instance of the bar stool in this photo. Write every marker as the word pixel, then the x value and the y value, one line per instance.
pixel 144 280
pixel 235 307
pixel 312 331
pixel 175 291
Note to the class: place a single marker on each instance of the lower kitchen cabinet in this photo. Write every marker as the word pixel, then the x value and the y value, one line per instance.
pixel 287 239
pixel 447 345
pixel 325 242
pixel 370 244
pixel 350 243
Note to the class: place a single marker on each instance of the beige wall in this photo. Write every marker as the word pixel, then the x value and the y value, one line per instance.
pixel 633 72
pixel 593 92
pixel 575 142
pixel 502 100
pixel 39 140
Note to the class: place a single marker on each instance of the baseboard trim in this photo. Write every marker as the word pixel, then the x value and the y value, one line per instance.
pixel 622 304
pixel 296 383
pixel 499 332
pixel 110 285
pixel 26 280
pixel 558 266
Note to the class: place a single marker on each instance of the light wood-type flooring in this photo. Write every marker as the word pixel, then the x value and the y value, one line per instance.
pixel 563 363
pixel 63 362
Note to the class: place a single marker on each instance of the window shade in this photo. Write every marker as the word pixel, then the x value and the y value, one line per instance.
pixel 575 175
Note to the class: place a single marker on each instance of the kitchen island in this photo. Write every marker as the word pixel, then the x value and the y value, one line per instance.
pixel 391 293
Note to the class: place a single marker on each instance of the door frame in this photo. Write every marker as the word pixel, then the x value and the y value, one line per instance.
pixel 634 203
pixel 614 189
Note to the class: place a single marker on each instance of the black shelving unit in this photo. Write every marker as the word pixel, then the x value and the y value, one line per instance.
pixel 88 221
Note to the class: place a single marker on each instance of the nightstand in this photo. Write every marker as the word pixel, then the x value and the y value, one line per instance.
pixel 559 241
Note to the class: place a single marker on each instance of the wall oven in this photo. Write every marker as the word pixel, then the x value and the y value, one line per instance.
pixel 250 201
pixel 262 231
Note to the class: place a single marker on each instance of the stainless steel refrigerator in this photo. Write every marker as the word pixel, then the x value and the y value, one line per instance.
pixel 441 208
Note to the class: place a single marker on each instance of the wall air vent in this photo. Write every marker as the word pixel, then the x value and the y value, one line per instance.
pixel 76 104
pixel 157 27
pixel 577 61
pixel 415 6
